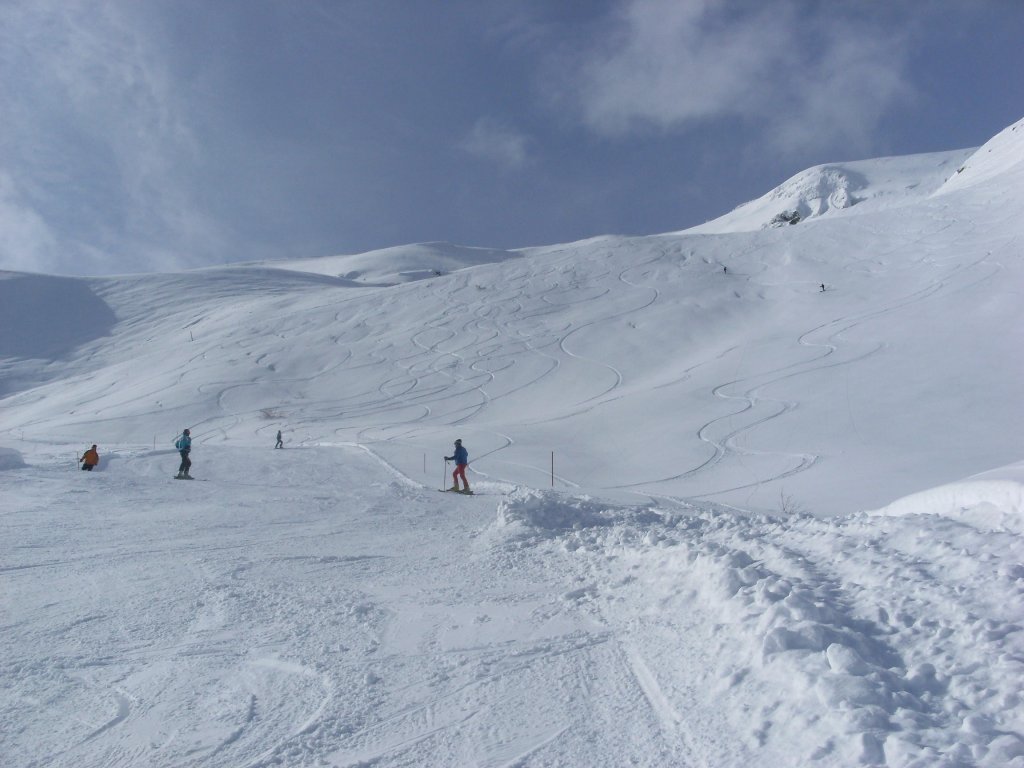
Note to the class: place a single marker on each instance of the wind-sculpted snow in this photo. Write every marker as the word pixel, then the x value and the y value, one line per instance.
pixel 833 189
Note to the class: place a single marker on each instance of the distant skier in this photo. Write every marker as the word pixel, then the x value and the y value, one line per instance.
pixel 725 270
pixel 89 459
pixel 822 287
pixel 280 442
pixel 184 446
pixel 461 459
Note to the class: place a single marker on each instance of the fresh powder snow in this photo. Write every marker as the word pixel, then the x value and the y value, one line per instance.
pixel 750 494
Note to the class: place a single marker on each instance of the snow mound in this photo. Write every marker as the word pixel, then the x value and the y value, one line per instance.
pixel 989 501
pixel 11 459
pixel 827 190
pixel 530 512
pixel 400 264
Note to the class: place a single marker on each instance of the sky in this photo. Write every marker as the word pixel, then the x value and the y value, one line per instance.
pixel 172 134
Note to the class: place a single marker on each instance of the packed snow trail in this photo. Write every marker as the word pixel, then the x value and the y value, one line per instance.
pixel 313 607
pixel 302 606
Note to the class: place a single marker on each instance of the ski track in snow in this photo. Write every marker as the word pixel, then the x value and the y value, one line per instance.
pixel 727 443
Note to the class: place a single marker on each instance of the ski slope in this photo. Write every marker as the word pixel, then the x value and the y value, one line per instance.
pixel 723 517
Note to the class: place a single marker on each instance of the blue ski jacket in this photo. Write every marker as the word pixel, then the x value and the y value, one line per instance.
pixel 461 455
pixel 184 443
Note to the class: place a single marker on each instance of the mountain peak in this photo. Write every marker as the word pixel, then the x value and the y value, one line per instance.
pixel 1002 154
pixel 841 188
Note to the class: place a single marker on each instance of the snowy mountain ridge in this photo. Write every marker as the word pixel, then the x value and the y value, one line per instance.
pixel 1002 154
pixel 825 190
pixel 399 264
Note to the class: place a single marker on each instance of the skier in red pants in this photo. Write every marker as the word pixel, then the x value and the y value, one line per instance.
pixel 461 459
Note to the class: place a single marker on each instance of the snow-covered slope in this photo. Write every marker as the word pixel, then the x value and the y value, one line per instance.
pixel 401 264
pixel 859 187
pixel 1001 156
pixel 643 364
pixel 703 584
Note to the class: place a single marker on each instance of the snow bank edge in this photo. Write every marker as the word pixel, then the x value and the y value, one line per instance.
pixel 992 500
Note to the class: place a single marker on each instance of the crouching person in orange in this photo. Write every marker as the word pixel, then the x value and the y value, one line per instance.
pixel 89 459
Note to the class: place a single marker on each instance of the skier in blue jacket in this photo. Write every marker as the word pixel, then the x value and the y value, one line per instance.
pixel 461 459
pixel 184 446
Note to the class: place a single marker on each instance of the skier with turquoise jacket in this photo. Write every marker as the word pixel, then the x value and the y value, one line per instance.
pixel 184 446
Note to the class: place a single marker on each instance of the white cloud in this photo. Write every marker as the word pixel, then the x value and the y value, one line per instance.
pixel 96 132
pixel 806 74
pixel 665 63
pixel 852 85
pixel 26 242
pixel 493 141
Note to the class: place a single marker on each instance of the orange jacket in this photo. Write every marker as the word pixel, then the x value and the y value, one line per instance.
pixel 91 457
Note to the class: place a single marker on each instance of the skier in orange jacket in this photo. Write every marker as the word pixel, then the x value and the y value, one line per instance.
pixel 89 459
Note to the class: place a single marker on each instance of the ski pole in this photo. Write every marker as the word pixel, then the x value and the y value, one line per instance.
pixel 444 477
